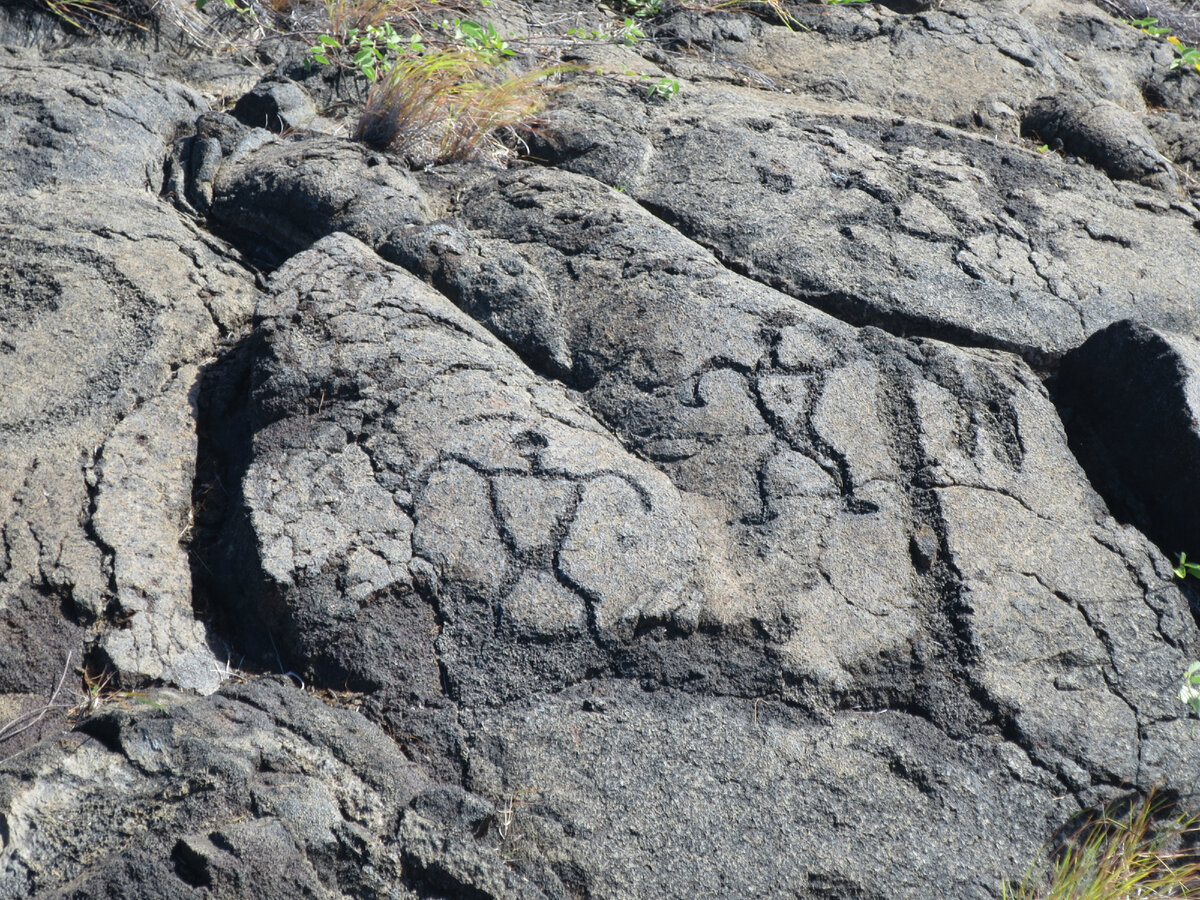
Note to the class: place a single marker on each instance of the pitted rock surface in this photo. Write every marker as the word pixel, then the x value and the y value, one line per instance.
pixel 278 199
pixel 416 479
pixel 106 315
pixel 158 798
pixel 749 492
pixel 824 202
pixel 820 460
pixel 966 579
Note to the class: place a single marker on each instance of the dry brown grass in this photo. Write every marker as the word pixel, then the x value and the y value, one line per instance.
pixel 1146 851
pixel 345 15
pixel 774 9
pixel 100 15
pixel 445 105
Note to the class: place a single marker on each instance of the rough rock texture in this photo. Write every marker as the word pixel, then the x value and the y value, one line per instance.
pixel 715 502
pixel 97 442
pixel 1102 133
pixel 833 205
pixel 276 105
pixel 158 805
pixel 817 192
pixel 278 199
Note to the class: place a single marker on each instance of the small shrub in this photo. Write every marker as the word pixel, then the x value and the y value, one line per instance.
pixel 629 33
pixel 1189 690
pixel 662 88
pixel 483 39
pixel 1139 854
pixel 362 35
pixel 1185 57
pixel 643 9
pixel 371 50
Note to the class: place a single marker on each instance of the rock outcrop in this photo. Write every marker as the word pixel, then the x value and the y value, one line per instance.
pixel 1131 399
pixel 111 302
pixel 761 491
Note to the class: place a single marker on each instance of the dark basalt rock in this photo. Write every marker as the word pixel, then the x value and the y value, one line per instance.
pixel 1131 403
pixel 276 105
pixel 416 496
pixel 108 303
pixel 1103 134
pixel 678 511
pixel 278 199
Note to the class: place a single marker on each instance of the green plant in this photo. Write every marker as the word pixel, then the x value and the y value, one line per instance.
pixel 1120 856
pixel 1189 690
pixel 1185 56
pixel 483 39
pixel 372 50
pixel 629 33
pixel 98 692
pixel 1148 25
pixel 664 88
pixel 1185 568
pixel 232 4
pixel 643 9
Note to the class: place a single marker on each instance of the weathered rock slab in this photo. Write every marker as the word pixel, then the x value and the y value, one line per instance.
pixel 678 509
pixel 106 314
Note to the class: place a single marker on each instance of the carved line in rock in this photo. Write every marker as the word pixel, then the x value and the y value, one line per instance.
pixel 576 253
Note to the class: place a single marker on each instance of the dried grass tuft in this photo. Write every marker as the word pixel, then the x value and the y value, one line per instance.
pixel 1146 852
pixel 445 105
pixel 101 15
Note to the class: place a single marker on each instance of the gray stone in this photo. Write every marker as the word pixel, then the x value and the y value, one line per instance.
pixel 1102 133
pixel 106 314
pixel 276 200
pixel 450 436
pixel 806 459
pixel 811 457
pixel 1131 400
pixel 816 192
pixel 259 788
pixel 276 105
pixel 677 509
